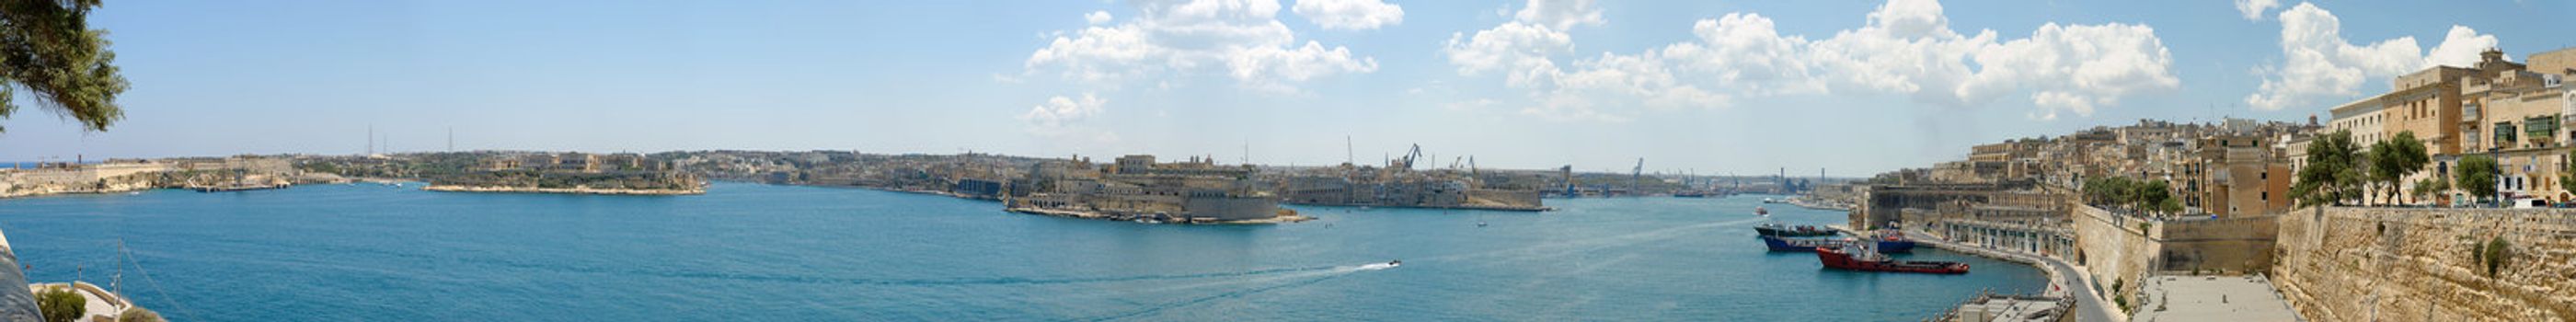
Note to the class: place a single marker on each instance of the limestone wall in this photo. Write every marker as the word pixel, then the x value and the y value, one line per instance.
pixel 2232 245
pixel 1223 208
pixel 2389 264
pixel 2113 249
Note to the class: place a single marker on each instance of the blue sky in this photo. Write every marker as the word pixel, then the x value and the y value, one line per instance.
pixel 1852 86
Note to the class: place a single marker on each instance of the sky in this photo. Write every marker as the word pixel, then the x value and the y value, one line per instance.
pixel 1848 88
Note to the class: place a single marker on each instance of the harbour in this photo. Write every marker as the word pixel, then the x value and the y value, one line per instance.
pixel 888 255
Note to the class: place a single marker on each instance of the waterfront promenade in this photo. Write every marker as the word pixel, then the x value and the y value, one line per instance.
pixel 2065 278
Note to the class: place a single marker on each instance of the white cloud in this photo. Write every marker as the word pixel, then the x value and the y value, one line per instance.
pixel 1060 109
pixel 1745 51
pixel 1560 14
pixel 1096 17
pixel 2459 48
pixel 1350 14
pixel 1521 48
pixel 1242 39
pixel 2074 68
pixel 1063 119
pixel 2319 63
pixel 2254 9
pixel 1906 47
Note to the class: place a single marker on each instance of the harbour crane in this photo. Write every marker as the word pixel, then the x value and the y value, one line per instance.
pixel 1409 157
pixel 1636 175
pixel 1568 171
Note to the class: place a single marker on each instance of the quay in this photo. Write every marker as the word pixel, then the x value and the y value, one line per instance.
pixel 1158 219
pixel 235 187
pixel 2064 279
pixel 573 190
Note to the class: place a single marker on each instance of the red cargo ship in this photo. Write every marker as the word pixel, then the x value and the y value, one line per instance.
pixel 1872 261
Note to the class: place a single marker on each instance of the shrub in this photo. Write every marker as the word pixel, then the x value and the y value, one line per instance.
pixel 2494 254
pixel 138 314
pixel 61 305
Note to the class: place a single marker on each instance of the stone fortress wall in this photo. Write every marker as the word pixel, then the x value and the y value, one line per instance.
pixel 2409 264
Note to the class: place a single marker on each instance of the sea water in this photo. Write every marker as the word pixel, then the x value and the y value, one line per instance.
pixel 368 252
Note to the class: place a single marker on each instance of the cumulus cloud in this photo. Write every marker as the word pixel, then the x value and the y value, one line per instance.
pixel 1350 14
pixel 1906 47
pixel 2459 48
pixel 1560 14
pixel 2318 62
pixel 1096 17
pixel 1241 39
pixel 1063 118
pixel 2254 9
pixel 1524 49
pixel 1060 109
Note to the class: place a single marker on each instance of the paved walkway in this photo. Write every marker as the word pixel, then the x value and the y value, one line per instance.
pixel 2064 277
pixel 2211 298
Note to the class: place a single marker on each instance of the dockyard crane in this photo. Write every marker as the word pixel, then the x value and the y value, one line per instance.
pixel 1568 170
pixel 1409 157
pixel 1635 175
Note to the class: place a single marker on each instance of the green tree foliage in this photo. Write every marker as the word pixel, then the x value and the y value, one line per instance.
pixel 2478 176
pixel 2431 187
pixel 2393 159
pixel 2132 193
pixel 2567 171
pixel 61 305
pixel 2333 172
pixel 46 47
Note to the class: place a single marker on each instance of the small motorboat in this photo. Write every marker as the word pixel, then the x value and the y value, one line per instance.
pixel 1393 263
pixel 1480 224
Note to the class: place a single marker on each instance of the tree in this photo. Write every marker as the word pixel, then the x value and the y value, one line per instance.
pixel 47 48
pixel 2332 174
pixel 2393 159
pixel 2429 188
pixel 2478 176
pixel 2156 196
pixel 2567 171
pixel 61 305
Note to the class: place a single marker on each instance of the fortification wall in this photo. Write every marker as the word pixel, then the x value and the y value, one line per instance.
pixel 2232 245
pixel 2391 264
pixel 2114 249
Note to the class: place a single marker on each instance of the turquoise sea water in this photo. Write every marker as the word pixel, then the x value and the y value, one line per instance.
pixel 781 253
